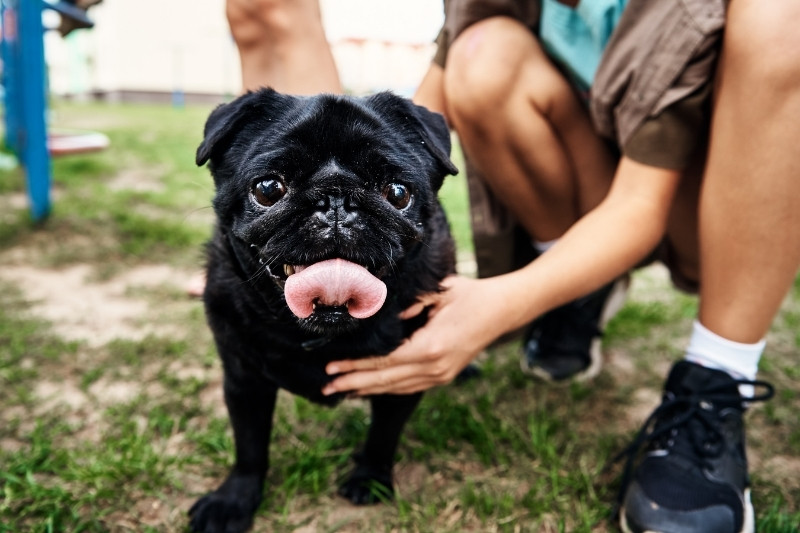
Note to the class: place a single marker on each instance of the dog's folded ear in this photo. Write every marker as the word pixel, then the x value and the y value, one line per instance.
pixel 436 134
pixel 225 119
pixel 430 126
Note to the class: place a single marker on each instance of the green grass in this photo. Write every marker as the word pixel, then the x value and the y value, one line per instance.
pixel 455 200
pixel 124 435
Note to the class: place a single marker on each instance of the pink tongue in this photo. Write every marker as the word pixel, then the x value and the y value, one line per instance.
pixel 335 282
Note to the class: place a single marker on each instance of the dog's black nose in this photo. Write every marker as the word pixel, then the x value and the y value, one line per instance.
pixel 337 210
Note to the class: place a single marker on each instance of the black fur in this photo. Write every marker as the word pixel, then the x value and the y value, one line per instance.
pixel 335 155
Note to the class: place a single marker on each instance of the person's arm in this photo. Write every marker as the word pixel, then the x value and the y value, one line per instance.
pixel 471 313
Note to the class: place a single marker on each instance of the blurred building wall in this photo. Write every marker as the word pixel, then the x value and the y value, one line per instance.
pixel 157 49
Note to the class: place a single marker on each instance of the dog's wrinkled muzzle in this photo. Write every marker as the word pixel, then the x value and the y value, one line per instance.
pixel 334 283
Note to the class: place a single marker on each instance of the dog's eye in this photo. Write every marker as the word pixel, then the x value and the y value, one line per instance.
pixel 397 194
pixel 268 191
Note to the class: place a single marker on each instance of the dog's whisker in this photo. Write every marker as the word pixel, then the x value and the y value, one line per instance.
pixel 258 274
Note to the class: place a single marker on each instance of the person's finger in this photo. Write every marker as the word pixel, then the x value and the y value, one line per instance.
pixel 405 354
pixel 426 300
pixel 413 311
pixel 352 365
pixel 431 299
pixel 413 383
pixel 376 381
pixel 405 387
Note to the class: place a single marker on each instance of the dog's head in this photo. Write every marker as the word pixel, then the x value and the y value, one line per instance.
pixel 330 196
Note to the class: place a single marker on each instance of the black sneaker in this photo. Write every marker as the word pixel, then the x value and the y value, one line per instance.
pixel 693 477
pixel 565 343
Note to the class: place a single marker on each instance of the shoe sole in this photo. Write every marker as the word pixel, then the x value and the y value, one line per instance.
pixel 614 302
pixel 748 526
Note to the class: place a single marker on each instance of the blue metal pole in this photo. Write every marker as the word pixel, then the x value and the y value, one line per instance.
pixel 10 54
pixel 35 155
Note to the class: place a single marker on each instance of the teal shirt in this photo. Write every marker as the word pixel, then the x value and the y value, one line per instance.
pixel 576 37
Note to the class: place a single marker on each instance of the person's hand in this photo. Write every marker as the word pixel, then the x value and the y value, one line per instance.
pixel 463 319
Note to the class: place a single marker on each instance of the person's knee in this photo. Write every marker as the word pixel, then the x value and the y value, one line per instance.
pixel 491 63
pixel 483 66
pixel 253 22
pixel 763 37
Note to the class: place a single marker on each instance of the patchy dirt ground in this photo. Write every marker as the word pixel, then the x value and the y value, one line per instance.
pixel 95 309
pixel 83 308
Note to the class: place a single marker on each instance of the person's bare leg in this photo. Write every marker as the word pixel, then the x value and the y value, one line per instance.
pixel 682 228
pixel 750 203
pixel 749 250
pixel 529 136
pixel 282 45
pixel 524 128
pixel 430 92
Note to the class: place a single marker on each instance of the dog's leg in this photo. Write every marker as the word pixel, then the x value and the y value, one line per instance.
pixel 230 508
pixel 371 480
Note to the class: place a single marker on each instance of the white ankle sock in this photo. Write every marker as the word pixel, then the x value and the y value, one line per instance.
pixel 543 246
pixel 740 360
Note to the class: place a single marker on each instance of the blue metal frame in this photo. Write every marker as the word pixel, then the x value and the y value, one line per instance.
pixel 24 80
pixel 10 51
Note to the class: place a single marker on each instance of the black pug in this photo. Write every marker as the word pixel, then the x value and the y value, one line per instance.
pixel 328 226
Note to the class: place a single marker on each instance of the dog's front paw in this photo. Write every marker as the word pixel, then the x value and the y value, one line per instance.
pixel 368 485
pixel 229 509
